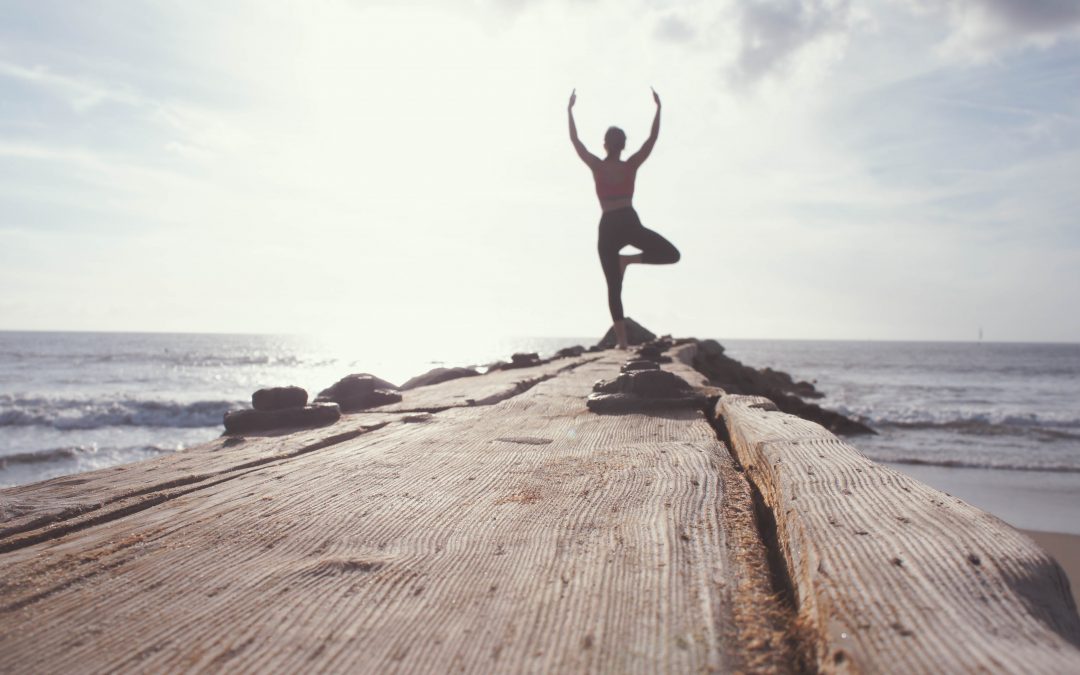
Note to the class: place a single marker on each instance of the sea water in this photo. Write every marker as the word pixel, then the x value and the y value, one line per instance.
pixel 996 424
pixel 72 402
pixel 1000 418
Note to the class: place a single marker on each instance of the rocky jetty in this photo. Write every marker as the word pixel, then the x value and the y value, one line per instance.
pixel 643 387
pixel 359 391
pixel 779 387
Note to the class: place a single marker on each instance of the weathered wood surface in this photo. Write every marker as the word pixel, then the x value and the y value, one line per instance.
pixel 526 536
pixel 32 512
pixel 491 388
pixel 891 575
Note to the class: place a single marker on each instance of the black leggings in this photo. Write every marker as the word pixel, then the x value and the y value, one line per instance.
pixel 617 229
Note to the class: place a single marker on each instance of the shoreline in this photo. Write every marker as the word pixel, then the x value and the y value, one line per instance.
pixel 1065 549
pixel 1042 501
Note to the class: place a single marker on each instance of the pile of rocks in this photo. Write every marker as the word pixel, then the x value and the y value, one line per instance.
pixel 287 407
pixel 642 386
pixel 278 408
pixel 735 378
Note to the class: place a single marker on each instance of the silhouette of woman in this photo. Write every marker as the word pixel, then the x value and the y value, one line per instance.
pixel 619 224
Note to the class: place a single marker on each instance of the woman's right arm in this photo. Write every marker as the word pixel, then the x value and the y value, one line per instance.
pixel 582 151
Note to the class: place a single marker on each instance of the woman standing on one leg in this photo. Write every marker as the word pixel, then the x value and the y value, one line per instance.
pixel 619 224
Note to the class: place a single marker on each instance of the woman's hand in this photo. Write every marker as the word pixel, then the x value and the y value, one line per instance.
pixel 573 100
pixel 655 97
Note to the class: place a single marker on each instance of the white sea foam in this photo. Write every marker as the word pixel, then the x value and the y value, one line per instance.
pixel 70 414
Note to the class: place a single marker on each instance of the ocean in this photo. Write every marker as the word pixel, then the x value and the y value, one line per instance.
pixel 997 424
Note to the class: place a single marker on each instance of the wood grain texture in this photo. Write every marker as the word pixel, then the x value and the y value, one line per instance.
pixel 31 513
pixel 488 389
pixel 525 536
pixel 891 575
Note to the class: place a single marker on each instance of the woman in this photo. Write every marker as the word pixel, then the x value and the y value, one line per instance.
pixel 619 224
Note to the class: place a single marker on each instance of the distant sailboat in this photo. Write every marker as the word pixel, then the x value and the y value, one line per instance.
pixel 980 333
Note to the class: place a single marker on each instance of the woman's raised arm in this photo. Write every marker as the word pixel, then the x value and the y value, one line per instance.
pixel 646 149
pixel 582 151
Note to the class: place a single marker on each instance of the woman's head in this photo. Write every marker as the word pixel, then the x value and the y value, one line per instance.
pixel 615 140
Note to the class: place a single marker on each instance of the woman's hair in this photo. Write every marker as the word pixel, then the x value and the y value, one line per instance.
pixel 615 139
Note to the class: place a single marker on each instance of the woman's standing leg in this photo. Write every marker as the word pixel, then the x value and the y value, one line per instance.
pixel 608 246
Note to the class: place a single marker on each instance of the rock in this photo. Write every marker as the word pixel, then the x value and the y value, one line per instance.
pixel 359 391
pixel 519 360
pixel 277 398
pixel 245 421
pixel 524 360
pixel 437 375
pixel 651 352
pixel 806 390
pixel 576 350
pixel 710 348
pixel 642 391
pixel 631 366
pixel 779 387
pixel 636 334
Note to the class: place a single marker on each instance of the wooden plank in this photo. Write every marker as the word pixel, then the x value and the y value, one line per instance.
pixel 487 389
pixel 32 512
pixel 530 535
pixel 891 575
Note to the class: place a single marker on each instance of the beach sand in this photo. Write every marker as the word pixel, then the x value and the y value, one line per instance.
pixel 1066 550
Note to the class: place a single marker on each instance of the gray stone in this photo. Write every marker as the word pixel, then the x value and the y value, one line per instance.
pixel 246 421
pixel 631 366
pixel 278 398
pixel 358 392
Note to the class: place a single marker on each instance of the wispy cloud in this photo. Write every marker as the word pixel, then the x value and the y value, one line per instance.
pixel 81 94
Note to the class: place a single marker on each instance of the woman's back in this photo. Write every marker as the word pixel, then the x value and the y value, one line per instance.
pixel 614 182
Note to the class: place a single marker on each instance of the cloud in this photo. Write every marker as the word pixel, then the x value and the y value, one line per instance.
pixel 981 27
pixel 82 95
pixel 672 28
pixel 774 32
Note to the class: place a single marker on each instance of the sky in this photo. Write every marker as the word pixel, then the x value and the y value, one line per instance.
pixel 829 169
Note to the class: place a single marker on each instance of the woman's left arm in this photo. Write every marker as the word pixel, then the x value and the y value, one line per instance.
pixel 646 149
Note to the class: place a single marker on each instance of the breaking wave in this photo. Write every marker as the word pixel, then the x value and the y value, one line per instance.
pixel 66 414
pixel 970 464
pixel 70 453
pixel 1046 426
